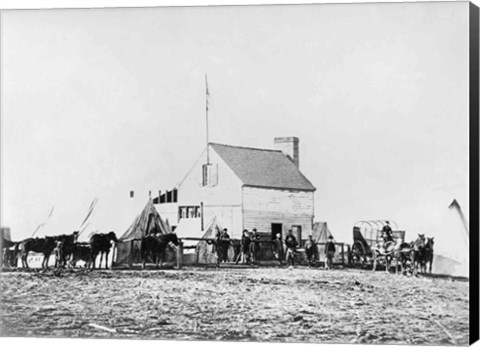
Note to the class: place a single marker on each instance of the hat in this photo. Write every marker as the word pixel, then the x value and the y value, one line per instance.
pixel 387 222
pixel 330 237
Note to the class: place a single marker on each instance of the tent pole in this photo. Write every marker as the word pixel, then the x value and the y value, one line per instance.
pixel 201 215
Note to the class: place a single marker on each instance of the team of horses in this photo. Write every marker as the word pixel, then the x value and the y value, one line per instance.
pixel 65 248
pixel 411 257
pixel 68 251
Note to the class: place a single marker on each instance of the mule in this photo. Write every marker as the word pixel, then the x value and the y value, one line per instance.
pixel 101 244
pixel 155 247
pixel 44 245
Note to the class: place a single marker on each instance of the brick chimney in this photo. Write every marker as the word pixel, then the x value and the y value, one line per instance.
pixel 289 146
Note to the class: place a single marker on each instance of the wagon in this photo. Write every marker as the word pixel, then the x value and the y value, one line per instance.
pixel 369 249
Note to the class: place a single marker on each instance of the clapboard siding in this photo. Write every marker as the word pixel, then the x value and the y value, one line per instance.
pixel 262 207
pixel 229 217
pixel 276 200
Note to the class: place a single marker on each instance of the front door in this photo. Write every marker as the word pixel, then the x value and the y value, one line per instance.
pixel 276 229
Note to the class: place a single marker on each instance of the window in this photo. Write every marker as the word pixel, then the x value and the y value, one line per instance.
pixel 209 175
pixel 189 212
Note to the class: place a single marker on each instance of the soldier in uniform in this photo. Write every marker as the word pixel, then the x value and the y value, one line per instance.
pixel 254 245
pixel 330 252
pixel 278 248
pixel 291 246
pixel 245 243
pixel 223 241
pixel 311 250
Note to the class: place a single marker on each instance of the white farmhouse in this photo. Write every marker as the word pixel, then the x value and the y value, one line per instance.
pixel 244 188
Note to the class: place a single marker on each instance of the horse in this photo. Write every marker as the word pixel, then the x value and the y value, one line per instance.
pixel 101 243
pixel 155 247
pixel 418 252
pixel 83 252
pixel 428 255
pixel 44 245
pixel 65 247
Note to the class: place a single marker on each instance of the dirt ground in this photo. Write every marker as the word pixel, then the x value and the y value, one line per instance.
pixel 262 304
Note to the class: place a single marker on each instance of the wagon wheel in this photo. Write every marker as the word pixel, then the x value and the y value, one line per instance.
pixel 358 254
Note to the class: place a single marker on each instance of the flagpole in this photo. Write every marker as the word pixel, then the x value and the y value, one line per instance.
pixel 206 116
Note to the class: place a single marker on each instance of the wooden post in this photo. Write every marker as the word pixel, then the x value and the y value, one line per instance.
pixel 349 255
pixel 343 256
pixel 130 256
pixel 180 255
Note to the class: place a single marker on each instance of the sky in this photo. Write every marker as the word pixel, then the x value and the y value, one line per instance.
pixel 95 103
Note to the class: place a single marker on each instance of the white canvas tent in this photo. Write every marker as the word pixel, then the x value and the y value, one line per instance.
pixel 204 250
pixel 320 235
pixel 321 232
pixel 451 245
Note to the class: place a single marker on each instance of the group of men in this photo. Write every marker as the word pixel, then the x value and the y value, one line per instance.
pixel 311 251
pixel 249 245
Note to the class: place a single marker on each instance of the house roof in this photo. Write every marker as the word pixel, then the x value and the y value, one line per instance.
pixel 264 168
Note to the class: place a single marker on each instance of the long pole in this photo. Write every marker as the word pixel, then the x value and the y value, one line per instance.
pixel 44 223
pixel 206 115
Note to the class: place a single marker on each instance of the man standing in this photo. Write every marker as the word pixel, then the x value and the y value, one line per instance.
pixel 278 248
pixel 330 252
pixel 291 245
pixel 223 243
pixel 245 243
pixel 311 250
pixel 254 245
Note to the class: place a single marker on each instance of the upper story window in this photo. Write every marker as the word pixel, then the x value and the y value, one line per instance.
pixel 189 212
pixel 209 175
